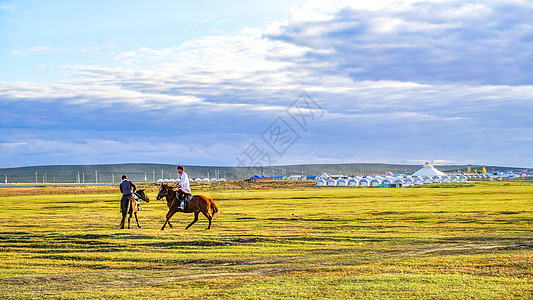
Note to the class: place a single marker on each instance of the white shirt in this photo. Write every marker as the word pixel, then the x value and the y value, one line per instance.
pixel 185 186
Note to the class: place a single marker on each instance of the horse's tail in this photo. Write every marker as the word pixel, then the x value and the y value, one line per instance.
pixel 214 207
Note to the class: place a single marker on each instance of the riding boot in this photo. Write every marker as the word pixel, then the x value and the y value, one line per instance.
pixel 181 205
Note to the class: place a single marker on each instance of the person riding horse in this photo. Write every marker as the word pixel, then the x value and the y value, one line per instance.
pixel 185 188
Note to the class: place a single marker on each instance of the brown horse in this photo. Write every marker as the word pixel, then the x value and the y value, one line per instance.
pixel 197 204
pixel 134 208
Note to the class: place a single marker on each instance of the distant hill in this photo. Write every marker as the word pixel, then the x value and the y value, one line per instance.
pixel 139 172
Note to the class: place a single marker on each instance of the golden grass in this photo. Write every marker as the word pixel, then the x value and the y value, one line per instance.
pixel 455 242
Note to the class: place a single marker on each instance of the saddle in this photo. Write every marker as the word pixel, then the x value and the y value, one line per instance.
pixel 136 198
pixel 186 197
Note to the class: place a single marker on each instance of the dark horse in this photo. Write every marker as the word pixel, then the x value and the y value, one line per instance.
pixel 197 204
pixel 134 208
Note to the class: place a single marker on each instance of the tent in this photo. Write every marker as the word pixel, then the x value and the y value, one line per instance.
pixel 353 182
pixel 364 182
pixel 409 181
pixel 428 170
pixel 387 181
pixel 324 176
pixel 375 182
pixel 320 182
pixel 342 182
pixel 427 179
pixel 331 182
pixel 399 181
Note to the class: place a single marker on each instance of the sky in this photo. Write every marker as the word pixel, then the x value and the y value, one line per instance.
pixel 249 83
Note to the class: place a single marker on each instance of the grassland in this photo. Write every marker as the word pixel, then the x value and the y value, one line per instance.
pixel 472 241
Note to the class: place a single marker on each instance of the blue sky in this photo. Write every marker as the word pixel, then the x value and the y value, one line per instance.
pixel 200 82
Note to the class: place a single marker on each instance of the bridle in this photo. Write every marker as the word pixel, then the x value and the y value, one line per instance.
pixel 159 195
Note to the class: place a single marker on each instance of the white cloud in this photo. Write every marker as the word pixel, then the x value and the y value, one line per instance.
pixel 424 41
pixel 397 81
pixel 8 7
pixel 39 49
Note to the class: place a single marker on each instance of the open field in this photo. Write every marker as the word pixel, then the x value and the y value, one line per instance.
pixel 471 241
pixel 51 189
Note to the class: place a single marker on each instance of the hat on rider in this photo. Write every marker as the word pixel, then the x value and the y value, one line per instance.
pixel 124 177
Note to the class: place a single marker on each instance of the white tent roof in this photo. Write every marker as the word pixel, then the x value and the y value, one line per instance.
pixel 428 170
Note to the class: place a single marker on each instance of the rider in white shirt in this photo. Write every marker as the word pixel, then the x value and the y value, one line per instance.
pixel 185 187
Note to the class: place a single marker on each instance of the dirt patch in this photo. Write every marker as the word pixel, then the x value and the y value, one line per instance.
pixel 111 279
pixel 470 247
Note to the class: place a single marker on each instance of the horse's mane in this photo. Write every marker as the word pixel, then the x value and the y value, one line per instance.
pixel 169 187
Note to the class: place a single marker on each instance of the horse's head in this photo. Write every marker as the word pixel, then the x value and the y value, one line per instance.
pixel 142 195
pixel 164 190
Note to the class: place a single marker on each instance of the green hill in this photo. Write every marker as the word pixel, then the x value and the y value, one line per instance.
pixel 140 172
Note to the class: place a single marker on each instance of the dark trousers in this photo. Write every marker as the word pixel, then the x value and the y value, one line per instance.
pixel 125 204
pixel 183 196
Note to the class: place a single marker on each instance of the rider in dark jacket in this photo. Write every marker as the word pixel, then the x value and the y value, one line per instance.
pixel 126 188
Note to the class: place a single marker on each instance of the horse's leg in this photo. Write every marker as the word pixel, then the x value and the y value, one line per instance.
pixel 170 213
pixel 122 222
pixel 124 209
pixel 193 221
pixel 169 224
pixel 208 216
pixel 137 220
pixel 129 219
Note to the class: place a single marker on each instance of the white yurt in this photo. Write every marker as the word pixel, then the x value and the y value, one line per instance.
pixel 364 182
pixel 331 182
pixel 205 180
pixel 342 182
pixel 409 181
pixel 445 179
pixel 399 181
pixel 454 178
pixel 428 170
pixel 387 181
pixel 222 179
pixel 418 181
pixel 353 182
pixel 436 179
pixel 427 179
pixel 375 182
pixel 214 180
pixel 324 176
pixel 462 178
pixel 198 180
pixel 320 182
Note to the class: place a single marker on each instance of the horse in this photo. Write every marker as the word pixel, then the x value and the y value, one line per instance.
pixel 197 204
pixel 134 208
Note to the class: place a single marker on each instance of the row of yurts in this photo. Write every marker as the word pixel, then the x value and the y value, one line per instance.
pixel 427 174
